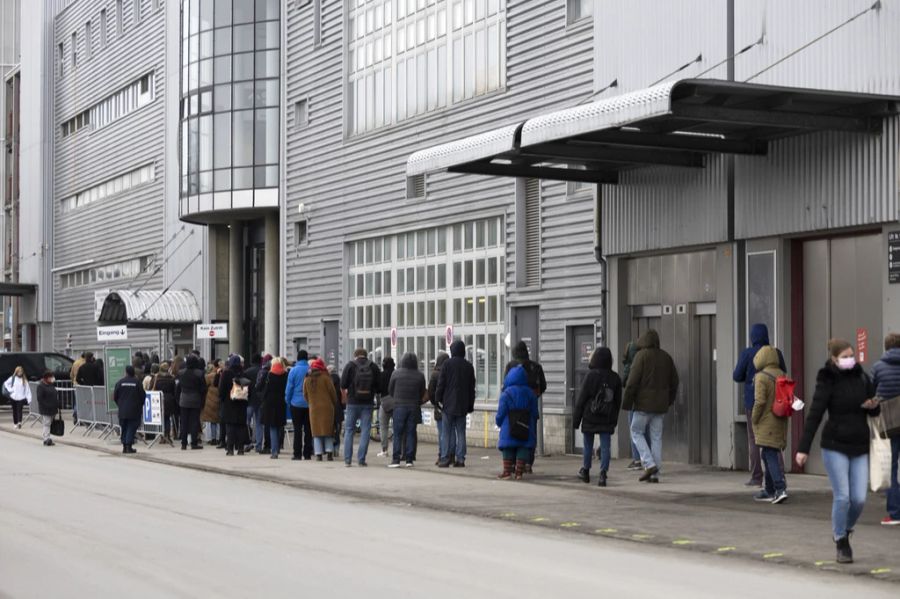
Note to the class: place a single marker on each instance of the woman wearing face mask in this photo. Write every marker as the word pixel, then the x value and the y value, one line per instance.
pixel 844 390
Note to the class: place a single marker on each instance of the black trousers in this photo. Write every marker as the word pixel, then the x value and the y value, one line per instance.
pixel 303 443
pixel 17 406
pixel 234 438
pixel 190 425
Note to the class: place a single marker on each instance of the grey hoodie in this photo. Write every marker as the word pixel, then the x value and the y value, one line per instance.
pixel 407 385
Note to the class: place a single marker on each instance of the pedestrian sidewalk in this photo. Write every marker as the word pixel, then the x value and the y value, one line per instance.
pixel 693 508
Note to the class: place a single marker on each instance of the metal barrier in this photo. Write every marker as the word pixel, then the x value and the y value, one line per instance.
pixel 34 414
pixel 84 407
pixel 153 418
pixel 65 392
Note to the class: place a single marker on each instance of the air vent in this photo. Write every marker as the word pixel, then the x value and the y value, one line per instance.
pixel 415 186
pixel 532 232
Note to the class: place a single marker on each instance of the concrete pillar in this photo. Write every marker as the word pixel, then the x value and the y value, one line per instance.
pixel 236 287
pixel 271 294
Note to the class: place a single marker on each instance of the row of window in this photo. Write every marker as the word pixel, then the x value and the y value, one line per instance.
pixel 431 277
pixel 127 269
pixel 465 310
pixel 116 185
pixel 202 15
pixel 113 107
pixel 263 93
pixel 137 10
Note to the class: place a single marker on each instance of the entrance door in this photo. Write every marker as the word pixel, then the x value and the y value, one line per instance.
pixel 701 397
pixel 330 332
pixel 578 358
pixel 526 322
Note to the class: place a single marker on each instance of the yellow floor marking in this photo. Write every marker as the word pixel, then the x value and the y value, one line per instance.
pixel 880 571
pixel 570 524
pixel 606 531
pixel 825 563
pixel 772 555
pixel 725 549
pixel 539 519
pixel 641 537
pixel 508 515
pixel 682 542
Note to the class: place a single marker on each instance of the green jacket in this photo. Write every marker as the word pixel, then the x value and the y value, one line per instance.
pixel 653 380
pixel 769 429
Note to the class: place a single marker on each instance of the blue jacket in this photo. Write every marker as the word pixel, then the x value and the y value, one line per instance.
pixel 517 395
pixel 745 370
pixel 293 394
pixel 886 374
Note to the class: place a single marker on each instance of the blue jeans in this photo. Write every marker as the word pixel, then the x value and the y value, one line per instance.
pixel 454 438
pixel 253 415
pixel 605 442
pixel 363 413
pixel 647 434
pixel 849 478
pixel 213 431
pixel 129 428
pixel 274 439
pixel 404 432
pixel 893 494
pixel 774 473
pixel 635 454
pixel 323 445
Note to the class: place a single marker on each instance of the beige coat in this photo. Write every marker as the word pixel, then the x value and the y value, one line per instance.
pixel 769 429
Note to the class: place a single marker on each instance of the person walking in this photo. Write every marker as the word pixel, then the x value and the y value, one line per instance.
pixel 318 389
pixel 517 414
pixel 190 393
pixel 19 393
pixel 303 443
pixel 254 402
pixel 407 388
pixel 165 384
pixel 536 380
pixel 211 404
pixel 652 388
pixel 129 397
pixel 272 412
pixel 597 412
pixel 360 382
pixel 846 393
pixel 233 393
pixel 48 404
pixel 886 378
pixel 745 372
pixel 631 350
pixel 432 397
pixel 455 394
pixel 385 406
pixel 338 408
pixel 769 430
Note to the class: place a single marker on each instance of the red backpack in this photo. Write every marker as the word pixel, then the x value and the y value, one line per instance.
pixel 784 395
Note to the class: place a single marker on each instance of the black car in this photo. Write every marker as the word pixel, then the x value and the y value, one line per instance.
pixel 35 363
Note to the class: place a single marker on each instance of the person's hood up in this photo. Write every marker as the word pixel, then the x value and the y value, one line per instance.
pixel 520 351
pixel 458 349
pixel 892 356
pixel 601 359
pixel 439 362
pixel 409 361
pixel 277 368
pixel 649 340
pixel 191 362
pixel 759 335
pixel 766 357
pixel 318 364
pixel 516 377
pixel 387 365
pixel 234 362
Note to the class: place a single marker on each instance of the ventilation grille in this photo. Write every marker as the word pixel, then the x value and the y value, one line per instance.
pixel 415 186
pixel 532 232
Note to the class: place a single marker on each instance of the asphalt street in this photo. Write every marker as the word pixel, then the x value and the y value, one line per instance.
pixel 80 523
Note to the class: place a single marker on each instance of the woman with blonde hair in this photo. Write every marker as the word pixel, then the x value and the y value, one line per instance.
pixel 273 412
pixel 19 394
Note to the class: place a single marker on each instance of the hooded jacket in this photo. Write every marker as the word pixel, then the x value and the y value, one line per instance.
pixel 533 370
pixel 455 391
pixel 517 395
pixel 47 399
pixel 745 371
pixel 432 384
pixel 233 412
pixel 387 370
pixel 886 374
pixel 653 380
pixel 407 384
pixel 600 374
pixel 840 393
pixel 129 397
pixel 768 429
pixel 294 392
pixel 318 389
pixel 190 386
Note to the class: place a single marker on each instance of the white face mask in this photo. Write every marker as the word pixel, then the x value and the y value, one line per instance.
pixel 846 363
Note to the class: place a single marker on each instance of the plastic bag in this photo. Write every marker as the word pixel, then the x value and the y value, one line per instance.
pixel 879 456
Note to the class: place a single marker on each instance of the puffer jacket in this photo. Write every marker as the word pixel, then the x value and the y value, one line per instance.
pixel 210 411
pixel 769 429
pixel 517 395
pixel 653 380
pixel 600 374
pixel 407 384
pixel 886 374
pixel 190 386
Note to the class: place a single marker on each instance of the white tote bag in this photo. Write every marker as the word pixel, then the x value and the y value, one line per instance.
pixel 879 456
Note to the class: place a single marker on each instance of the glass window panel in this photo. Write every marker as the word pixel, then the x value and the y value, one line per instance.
pixel 441 233
pixel 387 282
pixel 377 290
pixel 457 237
pixel 410 313
pixel 457 311
pixel 431 277
pixel 267 64
pixel 431 313
pixel 410 280
pixel 243 12
pixel 206 145
pixel 387 315
pixel 222 178
pixel 243 95
pixel 267 136
pixel 360 319
pixel 457 275
pixel 244 37
pixel 242 178
pixel 491 271
pixel 470 65
pixel 369 320
pixel 206 44
pixel 222 98
pixel 267 93
pixel 441 276
pixel 469 274
pixel 267 9
pixel 377 253
pixel 242 138
pixel 401 280
pixel 410 245
pixel 267 35
pixel 222 69
pixel 206 73
pixel 469 313
pixel 401 246
pixel 492 309
pixel 387 248
pixel 401 318
pixel 243 66
pixel 479 271
pixel 377 321
pixel 420 243
pixel 420 314
pixel 479 234
pixel 469 230
pixel 420 278
pixel 223 12
pixel 441 312
pixel 480 305
pixel 370 250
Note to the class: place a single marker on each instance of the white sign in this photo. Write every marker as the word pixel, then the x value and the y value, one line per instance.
pixel 394 338
pixel 427 417
pixel 448 335
pixel 114 333
pixel 153 408
pixel 212 331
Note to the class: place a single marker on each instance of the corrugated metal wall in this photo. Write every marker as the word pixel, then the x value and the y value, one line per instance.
pixel 128 225
pixel 356 187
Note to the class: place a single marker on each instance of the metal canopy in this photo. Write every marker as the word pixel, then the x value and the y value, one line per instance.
pixel 672 124
pixel 149 309
pixel 16 289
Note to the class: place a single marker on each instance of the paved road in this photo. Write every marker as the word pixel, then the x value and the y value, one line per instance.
pixel 79 523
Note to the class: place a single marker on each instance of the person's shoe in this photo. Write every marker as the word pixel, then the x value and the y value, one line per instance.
pixel 240 452
pixel 453 460
pixel 888 521
pixel 529 469
pixel 260 451
pixel 296 458
pixel 634 465
pixel 229 452
pixel 763 496
pixel 274 456
pixel 602 480
pixel 654 479
pixel 779 496
pixel 362 464
pixel 19 425
pixel 459 464
pixel 584 475
pixel 347 464
pixel 508 466
pixel 46 442
pixel 382 454
pixel 844 552
pixel 329 456
pixel 753 483
pixel 318 457
pixel 409 465
pixel 196 446
pixel 124 449
pixel 394 465
pixel 221 446
pixel 131 449
pixel 443 463
pixel 648 474
pixel 520 469
pixel 184 447
pixel 50 443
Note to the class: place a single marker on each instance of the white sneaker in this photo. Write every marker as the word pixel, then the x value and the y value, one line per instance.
pixel 409 465
pixel 394 465
pixel 19 425
pixel 382 454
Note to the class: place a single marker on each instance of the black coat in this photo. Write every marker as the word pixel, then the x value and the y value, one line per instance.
pixel 840 393
pixel 339 408
pixel 251 374
pixel 47 399
pixel 190 389
pixel 129 397
pixel 455 391
pixel 600 374
pixel 165 384
pixel 233 412
pixel 274 409
pixel 407 385
pixel 89 374
pixel 533 370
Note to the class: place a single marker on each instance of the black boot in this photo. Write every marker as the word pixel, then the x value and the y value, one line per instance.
pixel 124 448
pixel 131 449
pixel 844 552
pixel 602 481
pixel 329 455
pixel 584 475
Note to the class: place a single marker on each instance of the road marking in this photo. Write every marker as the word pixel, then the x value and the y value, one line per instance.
pixel 880 571
pixel 725 549
pixel 772 555
pixel 539 519
pixel 641 537
pixel 570 524
pixel 606 531
pixel 824 563
pixel 682 542
pixel 508 515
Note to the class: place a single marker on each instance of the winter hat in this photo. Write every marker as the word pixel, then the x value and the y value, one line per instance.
pixel 318 364
pixel 277 367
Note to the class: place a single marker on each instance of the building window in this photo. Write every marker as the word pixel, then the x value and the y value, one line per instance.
pixel 300 233
pixel 61 58
pixel 156 4
pixel 110 188
pixel 125 269
pixel 406 59
pixel 74 50
pixel 137 11
pixel 120 19
pixel 88 40
pixel 317 23
pixel 301 113
pixel 528 232
pixel 577 10
pixel 103 28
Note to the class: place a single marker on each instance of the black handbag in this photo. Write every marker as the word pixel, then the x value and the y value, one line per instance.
pixel 57 426
pixel 520 424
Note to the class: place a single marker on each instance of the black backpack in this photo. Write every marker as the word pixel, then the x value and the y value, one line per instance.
pixel 603 406
pixel 362 382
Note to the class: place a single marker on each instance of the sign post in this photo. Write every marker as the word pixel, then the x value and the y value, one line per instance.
pixel 116 358
pixel 217 330
pixel 448 336
pixel 113 333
